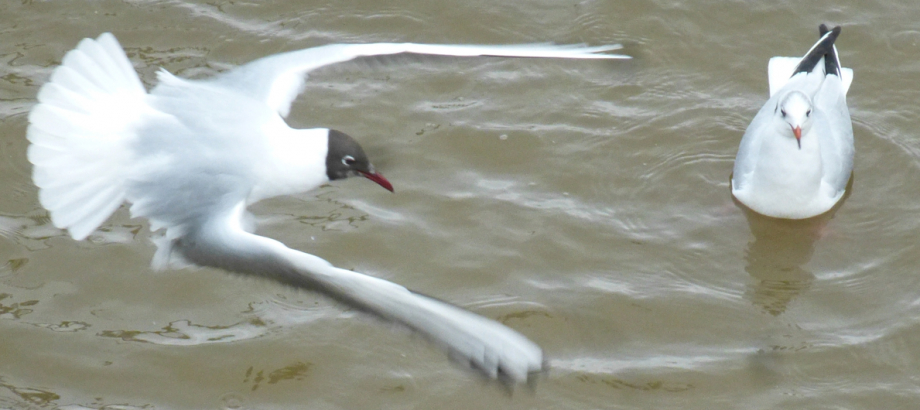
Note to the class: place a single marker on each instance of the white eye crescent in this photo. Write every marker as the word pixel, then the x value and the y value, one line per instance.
pixel 348 160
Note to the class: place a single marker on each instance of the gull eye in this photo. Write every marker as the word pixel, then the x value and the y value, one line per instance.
pixel 783 112
pixel 808 113
pixel 348 160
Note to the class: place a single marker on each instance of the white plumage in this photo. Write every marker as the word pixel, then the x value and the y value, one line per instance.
pixel 192 155
pixel 796 156
pixel 79 130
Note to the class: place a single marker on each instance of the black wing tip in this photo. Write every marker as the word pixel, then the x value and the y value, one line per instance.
pixel 822 30
pixel 831 59
pixel 824 47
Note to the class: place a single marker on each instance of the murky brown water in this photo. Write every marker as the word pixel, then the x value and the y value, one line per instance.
pixel 585 204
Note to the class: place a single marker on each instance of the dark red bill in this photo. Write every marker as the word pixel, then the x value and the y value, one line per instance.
pixel 379 179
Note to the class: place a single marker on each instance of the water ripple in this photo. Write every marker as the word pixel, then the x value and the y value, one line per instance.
pixel 268 317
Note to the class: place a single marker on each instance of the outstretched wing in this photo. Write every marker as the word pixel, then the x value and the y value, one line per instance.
pixel 497 351
pixel 278 79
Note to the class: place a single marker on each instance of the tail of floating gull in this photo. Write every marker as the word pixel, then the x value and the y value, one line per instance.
pixel 781 69
pixel 87 114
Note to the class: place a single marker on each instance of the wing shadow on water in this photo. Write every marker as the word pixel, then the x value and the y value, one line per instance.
pixel 776 257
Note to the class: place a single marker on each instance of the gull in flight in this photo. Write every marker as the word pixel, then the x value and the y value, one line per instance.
pixel 192 155
pixel 796 156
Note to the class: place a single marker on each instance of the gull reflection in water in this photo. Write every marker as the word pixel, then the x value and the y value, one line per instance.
pixel 776 257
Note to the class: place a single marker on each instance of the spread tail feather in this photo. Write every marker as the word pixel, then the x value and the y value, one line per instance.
pixel 79 133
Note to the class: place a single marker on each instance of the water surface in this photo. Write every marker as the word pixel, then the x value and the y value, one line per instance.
pixel 583 203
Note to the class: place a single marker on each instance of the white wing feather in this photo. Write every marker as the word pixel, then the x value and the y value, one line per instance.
pixel 484 344
pixel 278 79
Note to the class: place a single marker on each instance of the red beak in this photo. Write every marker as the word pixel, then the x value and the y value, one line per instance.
pixel 379 179
pixel 798 135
